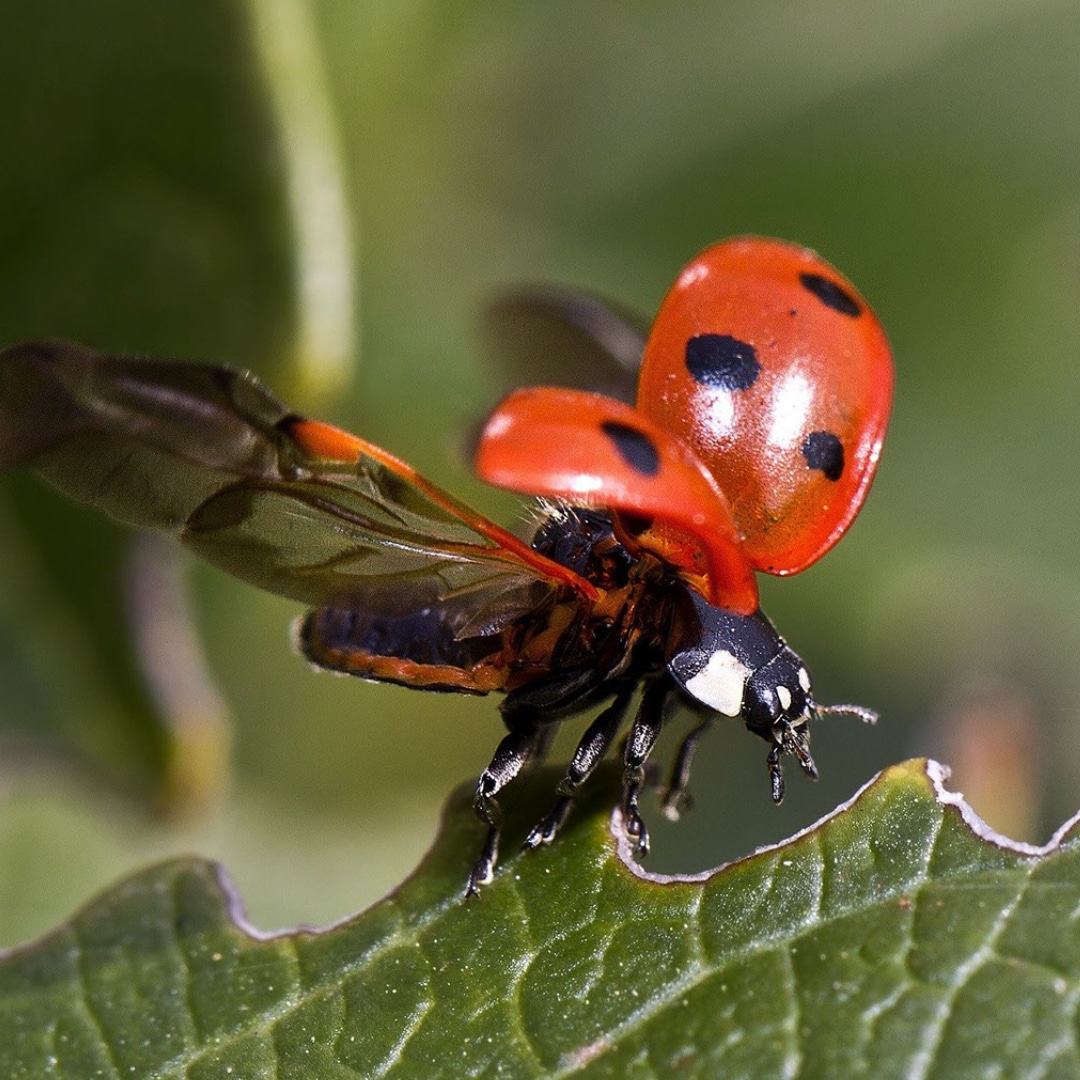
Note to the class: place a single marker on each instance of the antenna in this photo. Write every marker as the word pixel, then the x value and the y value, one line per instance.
pixel 867 716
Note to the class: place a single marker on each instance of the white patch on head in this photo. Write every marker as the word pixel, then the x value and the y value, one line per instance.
pixel 783 694
pixel 804 679
pixel 720 683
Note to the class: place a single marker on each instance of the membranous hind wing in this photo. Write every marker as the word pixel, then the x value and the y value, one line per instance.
pixel 407 578
pixel 550 335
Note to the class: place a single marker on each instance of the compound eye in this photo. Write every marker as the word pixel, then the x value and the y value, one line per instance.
pixel 763 707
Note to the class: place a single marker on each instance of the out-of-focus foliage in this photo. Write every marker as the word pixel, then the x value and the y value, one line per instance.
pixel 148 201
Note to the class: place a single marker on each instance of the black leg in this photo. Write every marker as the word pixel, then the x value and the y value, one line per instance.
pixel 776 775
pixel 795 742
pixel 590 752
pixel 639 745
pixel 677 799
pixel 513 752
pixel 530 713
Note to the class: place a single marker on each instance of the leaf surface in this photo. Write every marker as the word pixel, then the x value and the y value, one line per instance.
pixel 898 937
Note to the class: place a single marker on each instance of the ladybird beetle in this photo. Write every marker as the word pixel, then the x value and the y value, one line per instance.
pixel 764 391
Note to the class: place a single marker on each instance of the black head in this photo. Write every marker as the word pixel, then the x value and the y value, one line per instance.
pixel 778 706
pixel 739 665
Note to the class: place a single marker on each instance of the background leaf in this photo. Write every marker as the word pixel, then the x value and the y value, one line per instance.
pixel 889 940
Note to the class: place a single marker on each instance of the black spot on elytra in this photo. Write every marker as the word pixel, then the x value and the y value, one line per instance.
pixel 824 451
pixel 635 448
pixel 832 295
pixel 722 362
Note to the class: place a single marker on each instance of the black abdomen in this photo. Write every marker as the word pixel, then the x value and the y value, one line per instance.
pixel 417 649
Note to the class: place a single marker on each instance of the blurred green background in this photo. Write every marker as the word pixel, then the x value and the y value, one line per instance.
pixel 326 192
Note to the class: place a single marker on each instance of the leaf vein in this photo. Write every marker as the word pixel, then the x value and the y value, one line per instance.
pixel 926 1055
pixel 695 978
pixel 793 1023
pixel 330 984
pixel 413 1022
pixel 87 998
pixel 516 1010
pixel 1065 1044
pixel 185 965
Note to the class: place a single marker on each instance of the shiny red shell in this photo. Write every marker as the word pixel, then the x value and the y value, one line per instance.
pixel 590 450
pixel 769 365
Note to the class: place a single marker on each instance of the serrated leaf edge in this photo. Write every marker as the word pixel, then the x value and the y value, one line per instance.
pixel 926 769
pixel 939 774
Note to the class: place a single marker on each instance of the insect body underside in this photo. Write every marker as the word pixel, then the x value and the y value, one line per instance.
pixel 646 632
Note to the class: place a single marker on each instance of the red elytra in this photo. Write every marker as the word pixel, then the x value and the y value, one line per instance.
pixel 591 450
pixel 767 362
pixel 764 371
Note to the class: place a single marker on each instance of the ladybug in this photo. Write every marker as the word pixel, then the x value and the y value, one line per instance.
pixel 763 393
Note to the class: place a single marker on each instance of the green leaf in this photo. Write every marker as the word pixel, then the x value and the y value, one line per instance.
pixel 898 937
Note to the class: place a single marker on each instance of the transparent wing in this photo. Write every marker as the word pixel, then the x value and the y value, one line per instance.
pixel 555 336
pixel 294 506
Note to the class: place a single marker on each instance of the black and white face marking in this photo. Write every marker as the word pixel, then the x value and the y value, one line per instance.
pixel 740 666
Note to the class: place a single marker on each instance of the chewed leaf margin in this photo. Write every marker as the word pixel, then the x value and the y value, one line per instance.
pixel 895 929
pixel 936 773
